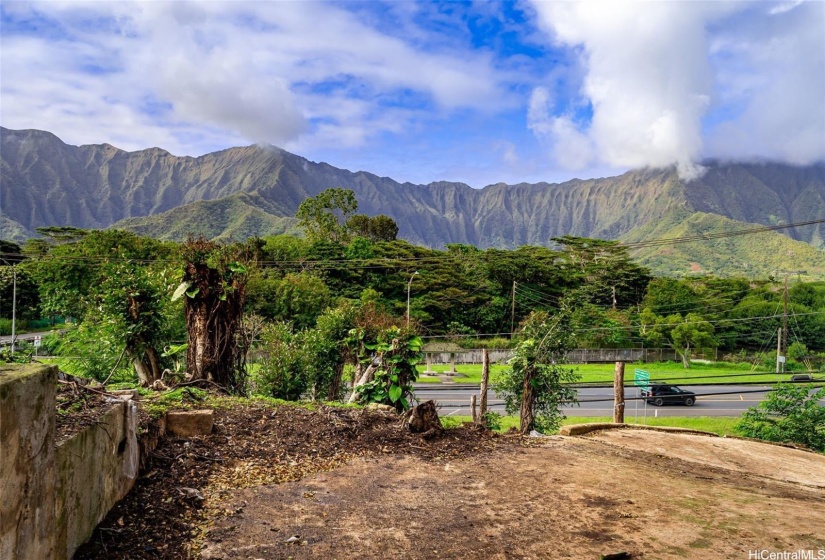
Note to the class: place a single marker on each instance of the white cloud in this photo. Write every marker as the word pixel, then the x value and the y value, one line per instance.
pixel 773 71
pixel 190 74
pixel 570 148
pixel 654 78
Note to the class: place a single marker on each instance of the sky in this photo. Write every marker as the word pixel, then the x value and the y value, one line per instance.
pixel 479 92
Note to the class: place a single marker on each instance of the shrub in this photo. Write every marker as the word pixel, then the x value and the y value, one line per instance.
pixel 790 414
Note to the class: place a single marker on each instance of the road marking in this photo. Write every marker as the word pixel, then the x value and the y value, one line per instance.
pixel 453 412
pixel 741 398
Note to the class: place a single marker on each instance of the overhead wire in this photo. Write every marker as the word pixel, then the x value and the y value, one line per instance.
pixel 639 244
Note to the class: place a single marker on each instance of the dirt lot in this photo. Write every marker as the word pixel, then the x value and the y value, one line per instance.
pixel 347 484
pixel 572 498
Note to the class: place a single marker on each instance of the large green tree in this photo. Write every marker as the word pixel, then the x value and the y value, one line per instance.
pixel 323 217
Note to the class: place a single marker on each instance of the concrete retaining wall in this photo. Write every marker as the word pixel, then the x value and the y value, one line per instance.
pixel 95 469
pixel 27 462
pixel 52 498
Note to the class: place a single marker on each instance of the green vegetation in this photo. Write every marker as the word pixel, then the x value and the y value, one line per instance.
pixel 756 255
pixel 671 372
pixel 311 297
pixel 535 382
pixel 714 424
pixel 237 216
pixel 790 414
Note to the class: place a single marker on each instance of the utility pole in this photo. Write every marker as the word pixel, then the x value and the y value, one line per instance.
pixel 778 347
pixel 785 320
pixel 13 305
pixel 513 311
pixel 409 285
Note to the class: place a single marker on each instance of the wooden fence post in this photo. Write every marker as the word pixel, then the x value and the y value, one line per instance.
pixel 485 379
pixel 618 392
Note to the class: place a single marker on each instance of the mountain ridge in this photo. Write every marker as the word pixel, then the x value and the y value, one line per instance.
pixel 49 182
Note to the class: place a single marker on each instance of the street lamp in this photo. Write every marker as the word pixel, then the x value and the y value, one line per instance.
pixel 409 285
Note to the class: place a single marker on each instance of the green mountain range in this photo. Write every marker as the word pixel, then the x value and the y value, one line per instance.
pixel 254 190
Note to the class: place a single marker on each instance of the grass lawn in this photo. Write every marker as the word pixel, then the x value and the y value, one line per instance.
pixel 699 373
pixel 718 425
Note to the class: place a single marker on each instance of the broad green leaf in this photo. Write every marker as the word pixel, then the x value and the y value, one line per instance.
pixel 193 292
pixel 395 393
pixel 181 290
pixel 237 268
pixel 175 349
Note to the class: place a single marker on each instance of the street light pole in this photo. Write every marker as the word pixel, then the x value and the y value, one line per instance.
pixel 409 285
pixel 13 305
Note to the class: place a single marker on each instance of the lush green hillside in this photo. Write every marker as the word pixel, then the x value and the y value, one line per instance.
pixel 234 217
pixel 755 255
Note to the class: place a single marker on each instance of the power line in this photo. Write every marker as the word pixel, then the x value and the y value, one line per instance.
pixel 451 257
pixel 719 235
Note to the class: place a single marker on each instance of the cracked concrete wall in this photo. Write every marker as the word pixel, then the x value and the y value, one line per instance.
pixel 53 497
pixel 95 468
pixel 27 462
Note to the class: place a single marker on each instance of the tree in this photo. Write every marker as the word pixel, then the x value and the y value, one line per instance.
pixel 282 373
pixel 296 298
pixel 602 270
pixel 307 363
pixel 377 228
pixel 28 298
pixel 130 299
pixel 537 384
pixel 214 283
pixel 789 413
pixel 117 285
pixel 392 358
pixel 323 216
pixel 691 332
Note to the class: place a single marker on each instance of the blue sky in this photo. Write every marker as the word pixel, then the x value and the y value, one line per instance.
pixel 479 92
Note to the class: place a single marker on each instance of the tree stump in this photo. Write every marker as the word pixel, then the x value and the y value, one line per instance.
pixel 423 419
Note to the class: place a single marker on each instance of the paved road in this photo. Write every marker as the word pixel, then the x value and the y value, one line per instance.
pixel 4 340
pixel 455 400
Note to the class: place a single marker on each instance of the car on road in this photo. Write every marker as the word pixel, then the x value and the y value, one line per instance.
pixel 660 394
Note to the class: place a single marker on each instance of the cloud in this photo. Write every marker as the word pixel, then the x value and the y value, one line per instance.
pixel 771 71
pixel 571 148
pixel 657 80
pixel 193 74
pixel 647 78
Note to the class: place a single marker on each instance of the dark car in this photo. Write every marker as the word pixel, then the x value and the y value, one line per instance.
pixel 662 394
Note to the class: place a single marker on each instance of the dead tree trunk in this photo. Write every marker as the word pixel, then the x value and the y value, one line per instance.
pixel 214 307
pixel 366 377
pixel 485 379
pixel 618 392
pixel 527 416
pixel 147 365
pixel 423 419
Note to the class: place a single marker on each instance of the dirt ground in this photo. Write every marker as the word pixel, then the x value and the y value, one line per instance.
pixel 570 498
pixel 77 408
pixel 769 461
pixel 339 484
